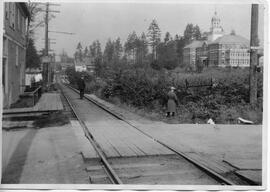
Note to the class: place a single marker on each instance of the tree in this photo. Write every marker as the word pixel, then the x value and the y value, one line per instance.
pixel 180 44
pixel 167 37
pixel 35 20
pixel 96 55
pixel 188 33
pixel 141 50
pixel 32 58
pixel 32 23
pixel 79 46
pixel 197 33
pixel 118 49
pixel 154 34
pixel 131 45
pixel 92 49
pixel 192 33
pixel 85 53
pixel 108 51
pixel 78 53
pixel 167 55
pixel 99 67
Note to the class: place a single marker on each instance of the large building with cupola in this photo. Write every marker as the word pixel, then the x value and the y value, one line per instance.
pixel 218 49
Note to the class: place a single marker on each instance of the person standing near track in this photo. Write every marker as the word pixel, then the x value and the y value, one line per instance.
pixel 172 102
pixel 81 86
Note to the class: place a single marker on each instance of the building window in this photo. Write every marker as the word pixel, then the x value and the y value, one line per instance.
pixel 6 10
pixel 23 25
pixel 4 74
pixel 12 10
pixel 17 55
pixel 18 23
pixel 5 46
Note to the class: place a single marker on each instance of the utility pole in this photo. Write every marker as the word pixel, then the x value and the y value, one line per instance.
pixel 254 44
pixel 46 51
pixel 46 59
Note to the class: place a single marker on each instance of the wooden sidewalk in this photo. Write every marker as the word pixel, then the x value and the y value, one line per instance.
pixel 48 102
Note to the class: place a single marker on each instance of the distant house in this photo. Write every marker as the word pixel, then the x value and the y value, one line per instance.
pixel 218 49
pixel 65 65
pixel 202 53
pixel 87 64
pixel 190 53
pixel 14 51
pixel 80 67
pixel 229 50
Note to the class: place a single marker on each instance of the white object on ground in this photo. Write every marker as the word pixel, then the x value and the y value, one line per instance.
pixel 210 121
pixel 241 120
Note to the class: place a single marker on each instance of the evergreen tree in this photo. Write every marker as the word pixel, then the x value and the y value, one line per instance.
pixel 142 49
pixel 154 35
pixel 167 55
pixel 188 33
pixel 96 54
pixel 85 53
pixel 196 32
pixel 118 49
pixel 109 51
pixel 180 44
pixel 131 45
pixel 167 37
pixel 78 53
pixel 98 49
pixel 32 58
pixel 192 33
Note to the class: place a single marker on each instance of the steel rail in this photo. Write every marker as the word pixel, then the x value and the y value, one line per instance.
pixel 207 170
pixel 108 169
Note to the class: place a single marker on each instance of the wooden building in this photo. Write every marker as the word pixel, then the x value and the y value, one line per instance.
pixel 14 51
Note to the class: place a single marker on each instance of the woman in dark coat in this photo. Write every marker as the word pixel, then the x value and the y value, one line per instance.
pixel 81 86
pixel 172 102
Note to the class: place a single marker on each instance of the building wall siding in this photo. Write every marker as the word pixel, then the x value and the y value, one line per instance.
pixel 14 52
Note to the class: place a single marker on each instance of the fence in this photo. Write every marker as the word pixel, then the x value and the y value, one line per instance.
pixel 190 85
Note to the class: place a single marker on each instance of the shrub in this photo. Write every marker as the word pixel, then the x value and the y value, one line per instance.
pixel 147 88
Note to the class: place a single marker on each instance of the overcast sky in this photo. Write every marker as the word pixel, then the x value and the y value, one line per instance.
pixel 91 21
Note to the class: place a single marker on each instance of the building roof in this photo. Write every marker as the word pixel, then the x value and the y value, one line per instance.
pixel 232 39
pixel 194 44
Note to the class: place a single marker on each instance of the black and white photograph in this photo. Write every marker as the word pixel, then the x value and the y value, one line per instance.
pixel 135 95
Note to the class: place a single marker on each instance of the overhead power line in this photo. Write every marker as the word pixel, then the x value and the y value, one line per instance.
pixel 62 32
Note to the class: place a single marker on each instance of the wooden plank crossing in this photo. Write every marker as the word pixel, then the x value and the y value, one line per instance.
pixel 47 102
pixel 87 150
pixel 117 139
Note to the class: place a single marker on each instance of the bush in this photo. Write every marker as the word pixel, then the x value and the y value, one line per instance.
pixel 147 88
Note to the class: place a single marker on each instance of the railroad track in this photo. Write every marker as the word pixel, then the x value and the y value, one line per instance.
pixel 110 166
pixel 109 170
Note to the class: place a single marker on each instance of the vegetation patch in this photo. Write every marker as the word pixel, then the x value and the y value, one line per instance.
pixel 143 91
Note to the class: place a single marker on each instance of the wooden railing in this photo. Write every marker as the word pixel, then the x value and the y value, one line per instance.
pixel 36 94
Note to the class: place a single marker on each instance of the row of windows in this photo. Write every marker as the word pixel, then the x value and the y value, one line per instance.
pixel 239 61
pixel 15 17
pixel 239 54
